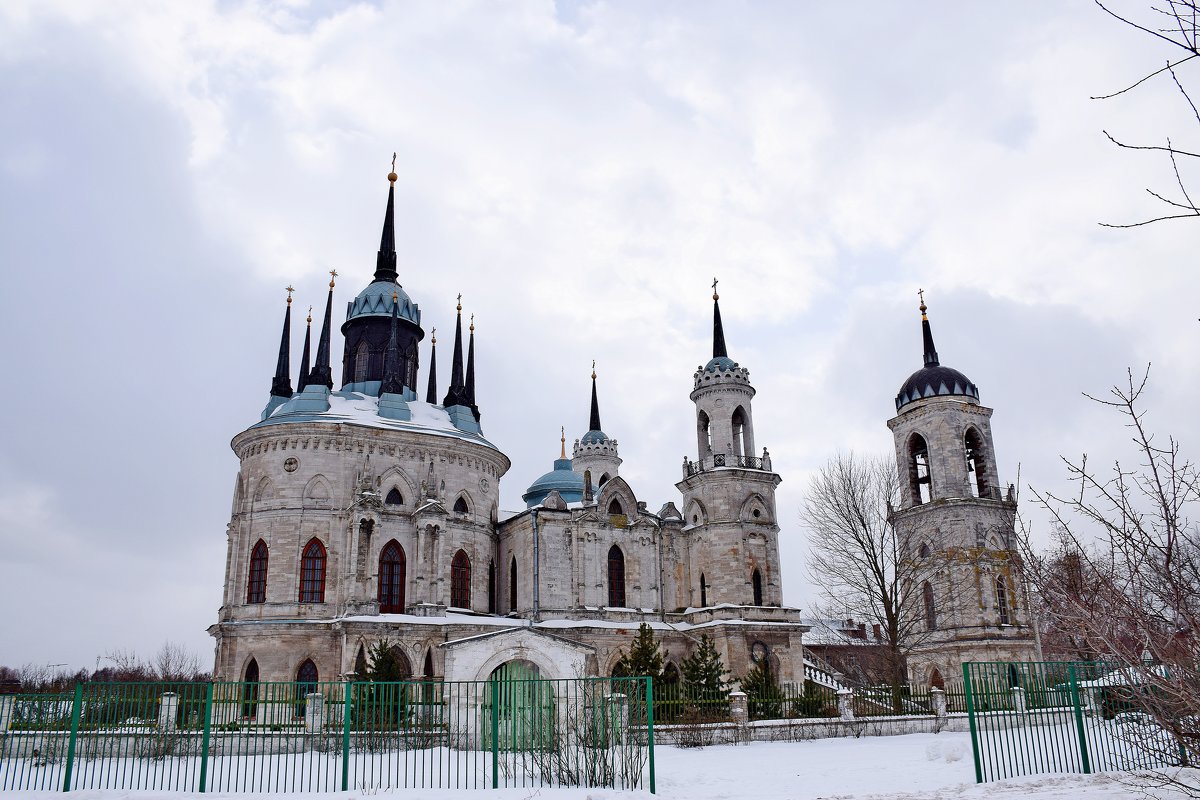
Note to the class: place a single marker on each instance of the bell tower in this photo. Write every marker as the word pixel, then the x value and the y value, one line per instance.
pixel 967 600
pixel 728 492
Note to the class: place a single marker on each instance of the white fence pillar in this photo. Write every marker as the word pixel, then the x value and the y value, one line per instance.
pixel 167 709
pixel 1018 695
pixel 314 711
pixel 938 698
pixel 6 704
pixel 846 703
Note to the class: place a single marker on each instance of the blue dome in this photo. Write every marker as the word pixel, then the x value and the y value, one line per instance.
pixel 564 480
pixel 594 437
pixel 935 381
pixel 719 363
pixel 376 301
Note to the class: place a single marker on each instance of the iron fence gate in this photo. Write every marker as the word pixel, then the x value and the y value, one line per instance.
pixel 514 730
pixel 1060 716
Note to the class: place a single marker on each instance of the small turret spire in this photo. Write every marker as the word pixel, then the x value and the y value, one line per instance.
pixel 594 420
pixel 931 356
pixel 321 373
pixel 302 381
pixel 562 453
pixel 393 383
pixel 718 330
pixel 281 386
pixel 457 394
pixel 385 261
pixel 469 383
pixel 431 393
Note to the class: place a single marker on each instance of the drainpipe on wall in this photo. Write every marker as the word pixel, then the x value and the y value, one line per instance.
pixel 536 567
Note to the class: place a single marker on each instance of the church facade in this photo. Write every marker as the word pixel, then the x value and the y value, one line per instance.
pixel 368 514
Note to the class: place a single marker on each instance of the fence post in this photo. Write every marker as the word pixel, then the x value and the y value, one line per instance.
pixel 347 694
pixel 938 698
pixel 1083 748
pixel 314 711
pixel 846 704
pixel 208 704
pixel 5 711
pixel 650 727
pixel 494 689
pixel 969 696
pixel 76 708
pixel 1018 698
pixel 168 707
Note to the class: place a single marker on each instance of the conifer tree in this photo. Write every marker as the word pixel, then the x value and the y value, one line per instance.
pixel 644 658
pixel 704 673
pixel 383 663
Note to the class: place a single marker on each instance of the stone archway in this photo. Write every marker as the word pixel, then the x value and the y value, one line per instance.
pixel 519 707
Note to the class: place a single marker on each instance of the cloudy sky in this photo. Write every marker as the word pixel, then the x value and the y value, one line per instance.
pixel 580 171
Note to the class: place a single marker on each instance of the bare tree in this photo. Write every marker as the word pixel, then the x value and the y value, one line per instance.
pixel 175 663
pixel 1132 592
pixel 1176 24
pixel 861 560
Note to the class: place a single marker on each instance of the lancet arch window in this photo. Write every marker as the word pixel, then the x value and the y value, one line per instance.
pixel 616 577
pixel 978 480
pixel 312 572
pixel 491 589
pixel 362 359
pixel 703 592
pixel 703 435
pixel 460 580
pixel 1002 600
pixel 512 585
pixel 919 480
pixel 394 498
pixel 756 587
pixel 256 579
pixel 250 691
pixel 460 506
pixel 306 684
pixel 930 606
pixel 740 433
pixel 392 568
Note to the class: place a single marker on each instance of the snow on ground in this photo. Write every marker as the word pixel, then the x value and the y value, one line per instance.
pixel 914 767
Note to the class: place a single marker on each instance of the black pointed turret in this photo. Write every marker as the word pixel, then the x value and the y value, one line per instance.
pixel 469 383
pixel 281 386
pixel 931 356
pixel 431 392
pixel 321 373
pixel 393 382
pixel 385 261
pixel 303 380
pixel 594 423
pixel 457 394
pixel 718 331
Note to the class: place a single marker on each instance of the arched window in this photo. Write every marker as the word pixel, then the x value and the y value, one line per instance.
pixel 703 436
pixel 936 681
pixel 366 527
pixel 616 577
pixel 256 581
pixel 703 592
pixel 923 550
pixel 362 357
pixel 756 584
pixel 391 578
pixel 360 663
pixel 615 507
pixel 1002 600
pixel 604 479
pixel 394 498
pixel 739 433
pixel 491 586
pixel 930 609
pixel 306 684
pixel 250 691
pixel 312 573
pixel 512 585
pixel 919 485
pixel 460 506
pixel 977 477
pixel 460 580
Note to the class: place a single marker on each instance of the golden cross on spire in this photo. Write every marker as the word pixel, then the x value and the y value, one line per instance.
pixel 593 369
pixel 715 289
pixel 472 323
pixel 563 433
pixel 289 291
pixel 332 275
pixel 433 336
pixel 310 315
pixel 460 302
pixel 921 294
pixel 393 162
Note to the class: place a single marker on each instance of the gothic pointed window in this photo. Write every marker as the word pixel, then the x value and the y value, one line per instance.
pixel 312 573
pixel 306 684
pixel 512 585
pixel 615 507
pixel 977 477
pixel 394 498
pixel 1002 600
pixel 460 506
pixel 919 480
pixel 739 433
pixel 360 663
pixel 391 578
pixel 250 691
pixel 256 581
pixel 362 358
pixel 756 585
pixel 703 436
pixel 930 608
pixel 923 551
pixel 460 580
pixel 616 577
pixel 491 587
pixel 703 592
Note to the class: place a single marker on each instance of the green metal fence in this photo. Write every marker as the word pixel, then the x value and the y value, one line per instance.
pixel 1060 716
pixel 295 737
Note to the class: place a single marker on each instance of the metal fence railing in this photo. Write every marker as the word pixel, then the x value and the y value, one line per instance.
pixel 1060 716
pixel 298 737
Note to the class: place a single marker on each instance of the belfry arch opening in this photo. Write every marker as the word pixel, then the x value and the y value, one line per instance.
pixel 742 443
pixel 978 480
pixel 703 435
pixel 919 481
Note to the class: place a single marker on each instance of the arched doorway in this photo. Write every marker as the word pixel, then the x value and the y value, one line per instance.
pixel 523 704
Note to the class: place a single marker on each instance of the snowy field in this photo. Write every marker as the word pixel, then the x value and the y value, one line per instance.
pixel 914 767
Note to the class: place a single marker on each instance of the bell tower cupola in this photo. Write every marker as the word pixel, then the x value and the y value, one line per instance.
pixel 595 451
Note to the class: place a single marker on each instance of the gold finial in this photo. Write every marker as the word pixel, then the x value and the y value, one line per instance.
pixel 310 315
pixel 472 323
pixel 433 336
pixel 289 291
pixel 593 369
pixel 921 294
pixel 460 302
pixel 332 275
pixel 392 174
pixel 563 433
pixel 715 296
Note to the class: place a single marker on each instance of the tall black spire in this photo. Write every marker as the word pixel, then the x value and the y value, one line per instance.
pixel 457 394
pixel 281 386
pixel 431 393
pixel 385 261
pixel 469 384
pixel 393 383
pixel 594 423
pixel 321 373
pixel 718 330
pixel 302 381
pixel 931 356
